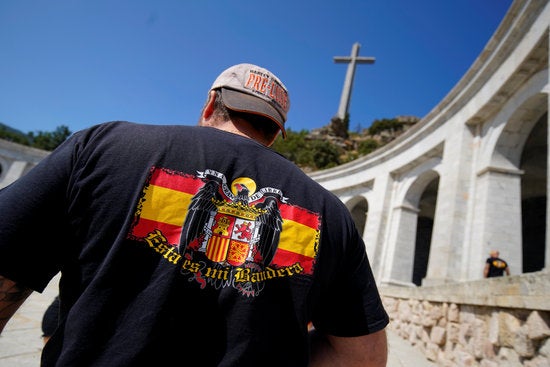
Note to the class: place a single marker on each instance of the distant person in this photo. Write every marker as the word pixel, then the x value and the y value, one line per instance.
pixel 192 245
pixel 495 266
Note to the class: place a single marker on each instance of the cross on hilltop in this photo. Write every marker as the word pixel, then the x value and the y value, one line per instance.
pixel 352 61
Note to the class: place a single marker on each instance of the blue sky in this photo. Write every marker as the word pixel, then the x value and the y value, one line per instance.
pixel 82 62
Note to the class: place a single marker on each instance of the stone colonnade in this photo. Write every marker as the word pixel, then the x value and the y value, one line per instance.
pixel 471 176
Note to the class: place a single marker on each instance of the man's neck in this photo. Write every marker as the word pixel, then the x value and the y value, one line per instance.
pixel 239 127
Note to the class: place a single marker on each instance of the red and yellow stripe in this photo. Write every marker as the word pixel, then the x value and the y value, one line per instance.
pixel 168 195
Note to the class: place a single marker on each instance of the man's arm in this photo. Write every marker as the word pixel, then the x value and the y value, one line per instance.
pixel 365 351
pixel 486 270
pixel 11 297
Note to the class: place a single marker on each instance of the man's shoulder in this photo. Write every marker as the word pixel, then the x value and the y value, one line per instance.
pixel 140 126
pixel 130 131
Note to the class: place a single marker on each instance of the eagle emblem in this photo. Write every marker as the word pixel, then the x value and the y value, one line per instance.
pixel 233 224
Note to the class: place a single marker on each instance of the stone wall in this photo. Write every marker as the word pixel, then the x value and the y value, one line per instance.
pixel 16 160
pixel 487 323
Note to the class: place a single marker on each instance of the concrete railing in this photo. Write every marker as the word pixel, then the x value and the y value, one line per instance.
pixel 488 323
pixel 16 160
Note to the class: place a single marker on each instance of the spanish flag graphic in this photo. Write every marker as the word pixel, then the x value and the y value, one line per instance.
pixel 165 203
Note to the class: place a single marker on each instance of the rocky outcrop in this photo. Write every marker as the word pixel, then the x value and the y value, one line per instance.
pixel 337 134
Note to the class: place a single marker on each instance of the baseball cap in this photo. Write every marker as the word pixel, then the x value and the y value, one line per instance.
pixel 252 89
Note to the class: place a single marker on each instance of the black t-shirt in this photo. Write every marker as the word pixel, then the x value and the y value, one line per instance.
pixel 182 245
pixel 497 266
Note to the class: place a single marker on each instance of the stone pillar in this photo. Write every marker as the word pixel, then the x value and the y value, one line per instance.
pixel 497 224
pixel 375 231
pixel 400 245
pixel 449 231
pixel 547 249
pixel 470 214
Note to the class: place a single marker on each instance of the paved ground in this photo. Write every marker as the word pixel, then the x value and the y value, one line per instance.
pixel 21 342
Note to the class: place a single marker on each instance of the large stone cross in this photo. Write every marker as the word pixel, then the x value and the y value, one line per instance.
pixel 351 60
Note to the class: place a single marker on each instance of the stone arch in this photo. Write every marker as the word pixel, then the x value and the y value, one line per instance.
pixel 412 227
pixel 533 163
pixel 422 195
pixel 519 159
pixel 507 133
pixel 418 187
pixel 359 207
pixel 424 229
pixel 512 139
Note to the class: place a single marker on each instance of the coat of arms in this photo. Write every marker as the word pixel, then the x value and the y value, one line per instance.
pixel 233 225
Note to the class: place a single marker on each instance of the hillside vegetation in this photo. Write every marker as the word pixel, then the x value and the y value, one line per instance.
pixel 334 144
pixel 321 148
pixel 41 139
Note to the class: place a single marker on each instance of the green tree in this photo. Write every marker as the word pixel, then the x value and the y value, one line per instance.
pixel 13 136
pixel 367 146
pixel 325 154
pixel 49 140
pixel 307 153
pixel 293 147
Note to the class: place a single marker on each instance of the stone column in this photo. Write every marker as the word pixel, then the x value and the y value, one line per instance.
pixel 547 249
pixel 399 238
pixel 403 242
pixel 450 222
pixel 470 213
pixel 497 224
pixel 375 231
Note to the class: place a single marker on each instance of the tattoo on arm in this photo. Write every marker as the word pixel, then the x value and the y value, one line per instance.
pixel 11 297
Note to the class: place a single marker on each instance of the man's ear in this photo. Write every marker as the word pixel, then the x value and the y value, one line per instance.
pixel 208 109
